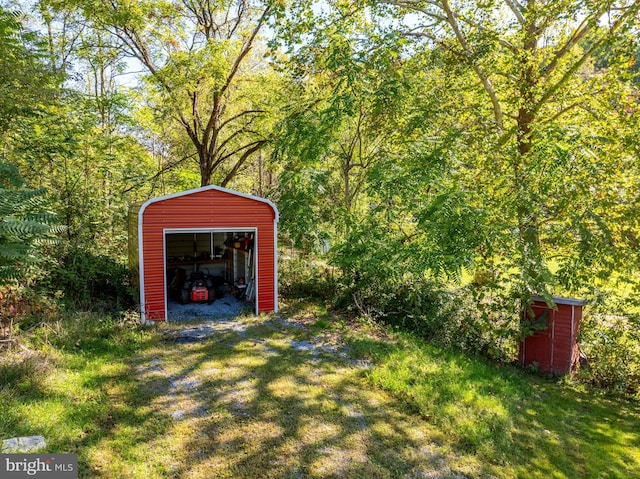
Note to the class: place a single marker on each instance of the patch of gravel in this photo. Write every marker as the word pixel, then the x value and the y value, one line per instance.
pixel 182 399
pixel 189 410
pixel 179 397
pixel 279 321
pixel 317 346
pixel 239 397
pixel 201 332
pixel 334 461
pixel 353 412
pixel 225 307
pixel 304 346
pixel 184 384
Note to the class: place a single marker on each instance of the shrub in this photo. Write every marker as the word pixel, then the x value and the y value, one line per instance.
pixel 455 317
pixel 91 281
pixel 306 278
pixel 22 307
pixel 612 346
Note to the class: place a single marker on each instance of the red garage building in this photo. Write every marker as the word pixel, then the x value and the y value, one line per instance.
pixel 231 235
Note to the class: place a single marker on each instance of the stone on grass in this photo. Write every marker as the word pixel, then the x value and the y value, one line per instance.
pixel 178 415
pixel 23 444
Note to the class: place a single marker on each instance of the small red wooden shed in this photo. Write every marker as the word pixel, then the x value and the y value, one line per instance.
pixel 554 349
pixel 230 233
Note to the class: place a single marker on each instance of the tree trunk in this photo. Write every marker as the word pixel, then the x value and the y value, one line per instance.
pixel 527 221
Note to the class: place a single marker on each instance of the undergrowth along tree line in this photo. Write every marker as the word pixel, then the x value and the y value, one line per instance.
pixel 458 157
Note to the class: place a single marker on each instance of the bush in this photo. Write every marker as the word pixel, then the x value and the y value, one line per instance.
pixel 91 281
pixel 410 278
pixel 22 307
pixel 454 317
pixel 612 346
pixel 306 278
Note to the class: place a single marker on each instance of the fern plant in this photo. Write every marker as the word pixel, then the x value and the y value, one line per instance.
pixel 24 223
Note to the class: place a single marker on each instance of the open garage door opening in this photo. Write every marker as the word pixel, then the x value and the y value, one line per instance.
pixel 210 273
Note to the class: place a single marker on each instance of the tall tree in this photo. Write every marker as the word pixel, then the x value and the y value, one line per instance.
pixel 345 101
pixel 26 82
pixel 542 150
pixel 69 132
pixel 200 65
pixel 26 79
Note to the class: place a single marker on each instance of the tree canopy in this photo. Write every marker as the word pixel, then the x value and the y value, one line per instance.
pixel 487 148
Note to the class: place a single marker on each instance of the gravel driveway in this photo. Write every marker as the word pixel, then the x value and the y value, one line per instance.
pixel 272 397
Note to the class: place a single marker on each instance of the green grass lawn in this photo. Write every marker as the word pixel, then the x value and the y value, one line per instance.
pixel 514 423
pixel 307 396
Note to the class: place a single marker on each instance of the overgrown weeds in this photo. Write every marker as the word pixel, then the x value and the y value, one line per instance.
pixel 90 281
pixel 21 309
pixel 304 277
pixel 613 342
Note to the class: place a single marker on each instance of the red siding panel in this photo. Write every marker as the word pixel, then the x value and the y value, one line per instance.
pixel 206 208
pixel 554 349
pixel 536 348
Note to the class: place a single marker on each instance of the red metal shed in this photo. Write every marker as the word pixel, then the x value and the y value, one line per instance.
pixel 227 231
pixel 554 349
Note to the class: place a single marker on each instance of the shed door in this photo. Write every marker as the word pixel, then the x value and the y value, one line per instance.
pixel 538 348
pixel 224 258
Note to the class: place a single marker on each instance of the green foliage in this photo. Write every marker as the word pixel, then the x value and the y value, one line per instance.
pixel 459 161
pixel 306 278
pixel 26 84
pixel 91 281
pixel 302 209
pixel 612 346
pixel 201 101
pixel 92 174
pixel 26 80
pixel 345 103
pixel 489 137
pixel 24 222
pixel 445 315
